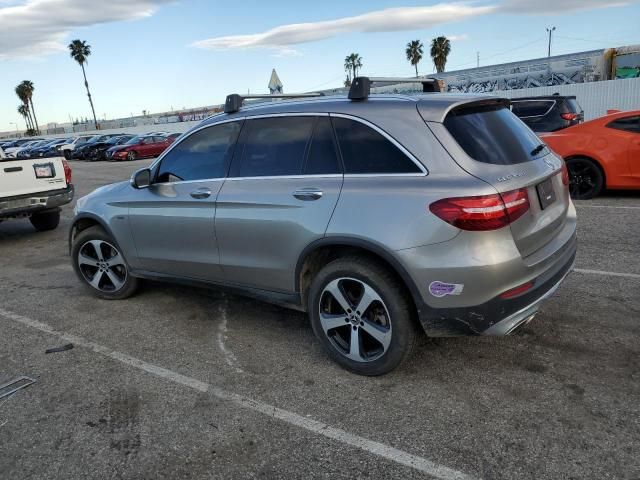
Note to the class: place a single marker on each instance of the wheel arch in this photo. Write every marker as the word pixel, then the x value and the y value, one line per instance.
pixel 83 221
pixel 318 253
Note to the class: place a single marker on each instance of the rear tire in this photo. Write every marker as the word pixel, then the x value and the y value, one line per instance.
pixel 586 180
pixel 99 264
pixel 384 331
pixel 45 221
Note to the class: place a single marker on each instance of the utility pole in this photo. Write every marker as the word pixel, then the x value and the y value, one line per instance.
pixel 477 59
pixel 550 31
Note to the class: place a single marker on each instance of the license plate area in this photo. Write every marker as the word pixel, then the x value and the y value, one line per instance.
pixel 44 170
pixel 546 193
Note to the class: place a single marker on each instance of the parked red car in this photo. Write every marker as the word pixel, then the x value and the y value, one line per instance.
pixel 601 153
pixel 148 146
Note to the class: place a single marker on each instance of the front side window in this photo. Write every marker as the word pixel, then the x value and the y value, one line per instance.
pixel 365 151
pixel 203 154
pixel 627 124
pixel 275 146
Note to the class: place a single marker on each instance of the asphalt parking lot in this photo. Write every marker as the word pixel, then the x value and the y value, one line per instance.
pixel 179 382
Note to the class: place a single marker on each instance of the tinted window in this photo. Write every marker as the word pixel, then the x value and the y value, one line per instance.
pixel 275 146
pixel 366 151
pixel 492 134
pixel 203 154
pixel 628 124
pixel 323 157
pixel 531 108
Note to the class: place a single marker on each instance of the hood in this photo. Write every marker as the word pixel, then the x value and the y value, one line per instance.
pixel 116 148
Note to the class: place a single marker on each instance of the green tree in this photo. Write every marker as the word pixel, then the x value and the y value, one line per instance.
pixel 28 88
pixel 352 63
pixel 440 49
pixel 24 111
pixel 24 98
pixel 414 53
pixel 80 50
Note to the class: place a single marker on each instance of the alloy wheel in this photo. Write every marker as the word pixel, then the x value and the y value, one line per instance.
pixel 583 179
pixel 355 319
pixel 102 266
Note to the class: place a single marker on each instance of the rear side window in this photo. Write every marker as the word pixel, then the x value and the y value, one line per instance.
pixel 531 108
pixel 203 154
pixel 323 157
pixel 628 124
pixel 364 150
pixel 275 146
pixel 492 134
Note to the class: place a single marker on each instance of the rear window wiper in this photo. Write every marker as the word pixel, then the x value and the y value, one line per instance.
pixel 538 149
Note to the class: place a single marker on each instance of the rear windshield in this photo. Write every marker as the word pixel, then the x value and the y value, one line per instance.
pixel 531 108
pixel 573 105
pixel 493 134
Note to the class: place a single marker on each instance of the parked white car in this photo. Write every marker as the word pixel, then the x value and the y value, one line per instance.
pixel 66 148
pixel 34 189
pixel 11 151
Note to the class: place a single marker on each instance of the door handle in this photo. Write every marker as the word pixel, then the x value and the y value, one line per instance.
pixel 308 194
pixel 201 193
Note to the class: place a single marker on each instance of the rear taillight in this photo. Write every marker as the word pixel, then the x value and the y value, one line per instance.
pixel 569 116
pixel 481 213
pixel 67 172
pixel 565 174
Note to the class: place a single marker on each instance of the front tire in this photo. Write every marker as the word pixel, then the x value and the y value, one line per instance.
pixel 586 180
pixel 100 265
pixel 361 316
pixel 45 221
pixel 131 156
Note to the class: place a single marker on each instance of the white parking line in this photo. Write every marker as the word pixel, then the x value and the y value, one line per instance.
pixel 376 448
pixel 604 272
pixel 623 207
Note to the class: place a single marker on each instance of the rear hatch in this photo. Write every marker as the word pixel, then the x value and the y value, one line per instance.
pixel 23 177
pixel 487 140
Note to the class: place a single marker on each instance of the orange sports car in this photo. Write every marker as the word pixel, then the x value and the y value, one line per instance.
pixel 600 153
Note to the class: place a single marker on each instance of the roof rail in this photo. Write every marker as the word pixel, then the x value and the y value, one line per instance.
pixel 361 86
pixel 234 101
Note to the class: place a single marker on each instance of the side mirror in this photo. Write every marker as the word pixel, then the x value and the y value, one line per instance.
pixel 141 178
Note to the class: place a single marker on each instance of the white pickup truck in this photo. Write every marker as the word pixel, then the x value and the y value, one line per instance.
pixel 34 189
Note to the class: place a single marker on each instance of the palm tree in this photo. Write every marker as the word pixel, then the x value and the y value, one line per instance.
pixel 352 63
pixel 22 95
pixel 414 53
pixel 80 50
pixel 440 49
pixel 24 111
pixel 28 88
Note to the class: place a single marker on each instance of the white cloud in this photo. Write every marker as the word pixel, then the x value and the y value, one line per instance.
pixel 40 27
pixel 458 38
pixel 388 20
pixel 551 7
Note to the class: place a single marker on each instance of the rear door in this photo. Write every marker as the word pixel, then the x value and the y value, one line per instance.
pixel 492 144
pixel 627 130
pixel 284 184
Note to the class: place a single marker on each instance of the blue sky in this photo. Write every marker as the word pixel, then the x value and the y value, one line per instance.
pixel 146 53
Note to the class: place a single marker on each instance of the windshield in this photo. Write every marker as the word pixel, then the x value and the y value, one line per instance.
pixel 113 140
pixel 95 138
pixel 134 140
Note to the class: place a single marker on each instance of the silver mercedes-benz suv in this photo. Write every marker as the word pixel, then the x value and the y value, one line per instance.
pixel 376 214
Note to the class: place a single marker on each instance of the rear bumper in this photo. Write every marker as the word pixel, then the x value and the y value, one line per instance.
pixel 500 316
pixel 35 202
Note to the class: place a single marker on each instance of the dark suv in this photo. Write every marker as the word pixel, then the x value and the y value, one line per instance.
pixel 548 114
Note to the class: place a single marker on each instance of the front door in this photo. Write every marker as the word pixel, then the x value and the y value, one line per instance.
pixel 284 184
pixel 172 220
